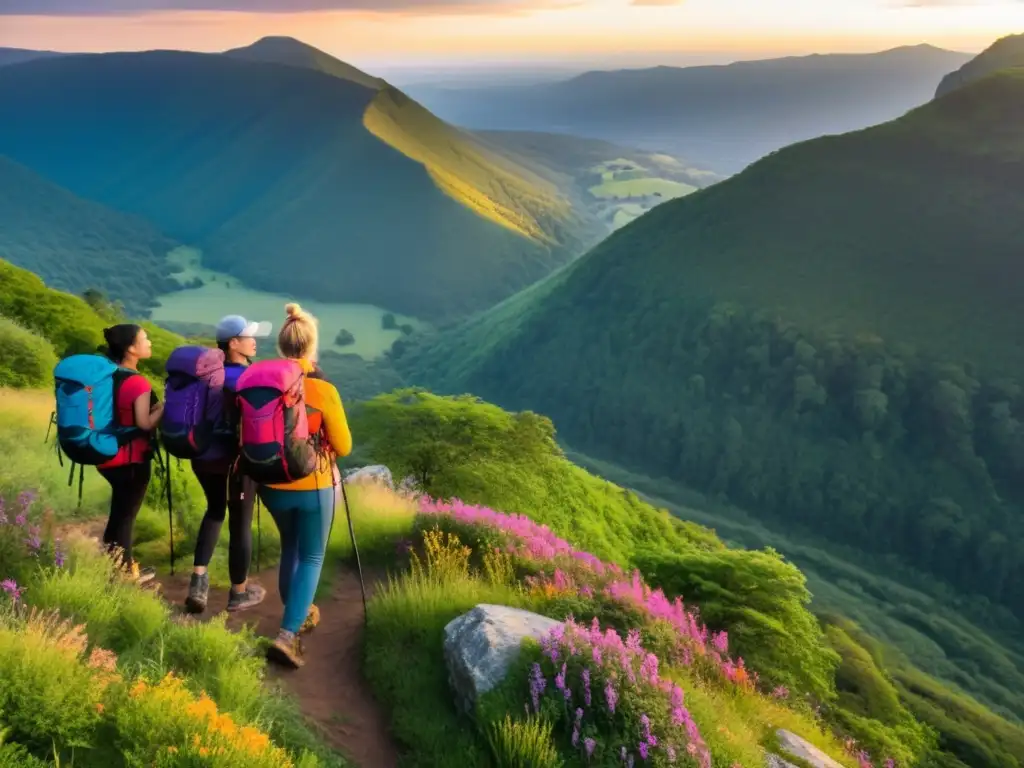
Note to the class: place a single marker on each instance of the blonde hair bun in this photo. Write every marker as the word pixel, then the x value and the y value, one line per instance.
pixel 293 311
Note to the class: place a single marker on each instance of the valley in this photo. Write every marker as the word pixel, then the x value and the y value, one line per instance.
pixel 197 309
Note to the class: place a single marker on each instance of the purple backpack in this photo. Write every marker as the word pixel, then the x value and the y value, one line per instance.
pixel 193 417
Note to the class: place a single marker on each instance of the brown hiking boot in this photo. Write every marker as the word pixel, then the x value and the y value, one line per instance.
pixel 286 650
pixel 311 622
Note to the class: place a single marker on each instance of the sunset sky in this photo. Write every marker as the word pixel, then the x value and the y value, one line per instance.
pixel 374 33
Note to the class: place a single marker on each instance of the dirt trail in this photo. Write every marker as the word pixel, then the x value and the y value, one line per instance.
pixel 330 688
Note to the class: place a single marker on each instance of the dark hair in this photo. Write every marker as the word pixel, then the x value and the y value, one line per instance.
pixel 119 338
pixel 224 346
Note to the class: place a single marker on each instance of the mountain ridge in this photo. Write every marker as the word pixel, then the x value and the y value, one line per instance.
pixel 249 142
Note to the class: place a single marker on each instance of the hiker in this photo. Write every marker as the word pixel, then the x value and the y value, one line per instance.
pixel 227 492
pixel 129 471
pixel 304 509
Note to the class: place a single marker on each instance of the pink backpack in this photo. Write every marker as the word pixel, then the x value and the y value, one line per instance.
pixel 276 445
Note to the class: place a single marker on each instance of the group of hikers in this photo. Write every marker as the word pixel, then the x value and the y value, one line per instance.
pixel 272 429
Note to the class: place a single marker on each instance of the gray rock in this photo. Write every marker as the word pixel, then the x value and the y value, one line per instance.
pixel 481 645
pixel 774 761
pixel 804 750
pixel 375 473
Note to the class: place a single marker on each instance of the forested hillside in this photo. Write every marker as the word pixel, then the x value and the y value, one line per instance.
pixel 265 165
pixel 76 244
pixel 825 339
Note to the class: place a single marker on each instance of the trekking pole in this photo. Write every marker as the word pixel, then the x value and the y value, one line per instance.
pixel 258 537
pixel 170 512
pixel 355 549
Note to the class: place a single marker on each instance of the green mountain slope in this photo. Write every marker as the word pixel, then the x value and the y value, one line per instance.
pixel 830 339
pixel 1005 53
pixel 267 167
pixel 75 244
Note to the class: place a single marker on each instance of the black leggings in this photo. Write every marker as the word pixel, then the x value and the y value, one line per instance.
pixel 128 490
pixel 237 496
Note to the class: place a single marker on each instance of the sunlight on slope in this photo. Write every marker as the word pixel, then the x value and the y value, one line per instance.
pixel 486 183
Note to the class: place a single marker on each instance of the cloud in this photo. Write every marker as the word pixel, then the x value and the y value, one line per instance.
pixel 135 7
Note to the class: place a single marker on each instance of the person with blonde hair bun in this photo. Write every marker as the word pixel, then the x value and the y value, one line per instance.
pixel 304 509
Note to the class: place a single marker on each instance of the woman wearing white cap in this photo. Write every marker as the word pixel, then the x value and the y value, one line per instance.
pixel 227 493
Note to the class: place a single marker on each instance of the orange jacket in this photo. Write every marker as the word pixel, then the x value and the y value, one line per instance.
pixel 323 396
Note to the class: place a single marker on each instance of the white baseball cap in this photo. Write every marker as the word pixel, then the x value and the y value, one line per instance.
pixel 233 326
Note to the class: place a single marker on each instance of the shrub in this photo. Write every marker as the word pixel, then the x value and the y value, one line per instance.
pixel 523 743
pixel 26 360
pixel 610 701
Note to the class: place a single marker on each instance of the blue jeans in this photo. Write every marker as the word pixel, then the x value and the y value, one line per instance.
pixel 303 519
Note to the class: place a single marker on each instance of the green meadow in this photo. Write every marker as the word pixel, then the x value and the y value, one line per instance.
pixel 222 294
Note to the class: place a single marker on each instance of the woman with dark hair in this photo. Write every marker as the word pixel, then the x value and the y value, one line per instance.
pixel 129 471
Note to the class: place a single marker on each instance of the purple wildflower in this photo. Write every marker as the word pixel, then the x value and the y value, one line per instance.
pixel 588 746
pixel 20 519
pixel 58 554
pixel 10 586
pixel 537 685
pixel 586 686
pixel 576 727
pixel 642 749
pixel 721 641
pixel 610 697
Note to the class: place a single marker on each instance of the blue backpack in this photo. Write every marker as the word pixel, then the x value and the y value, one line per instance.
pixel 86 391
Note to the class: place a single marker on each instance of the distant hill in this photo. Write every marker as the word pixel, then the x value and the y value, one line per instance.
pixel 831 338
pixel 75 244
pixel 717 117
pixel 1005 53
pixel 21 55
pixel 288 50
pixel 266 167
pixel 613 183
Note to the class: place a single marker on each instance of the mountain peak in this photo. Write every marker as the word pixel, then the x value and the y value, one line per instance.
pixel 281 49
pixel 1005 53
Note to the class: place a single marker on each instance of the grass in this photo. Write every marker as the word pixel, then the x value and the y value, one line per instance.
pixel 223 294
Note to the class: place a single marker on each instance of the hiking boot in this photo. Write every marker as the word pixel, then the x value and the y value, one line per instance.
pixel 312 619
pixel 252 595
pixel 286 650
pixel 198 593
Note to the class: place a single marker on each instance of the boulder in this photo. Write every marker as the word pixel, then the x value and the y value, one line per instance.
pixel 481 645
pixel 375 473
pixel 804 750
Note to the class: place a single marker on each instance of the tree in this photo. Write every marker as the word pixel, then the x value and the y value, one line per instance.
pixel 388 322
pixel 344 338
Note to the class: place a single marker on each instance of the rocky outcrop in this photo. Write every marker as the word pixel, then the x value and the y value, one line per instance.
pixel 481 645
pixel 375 473
pixel 802 749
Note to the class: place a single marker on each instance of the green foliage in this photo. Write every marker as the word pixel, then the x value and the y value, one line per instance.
pixel 462 447
pixel 523 743
pixel 763 602
pixel 448 228
pixel 387 322
pixel 68 322
pixel 792 391
pixel 869 705
pixel 26 360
